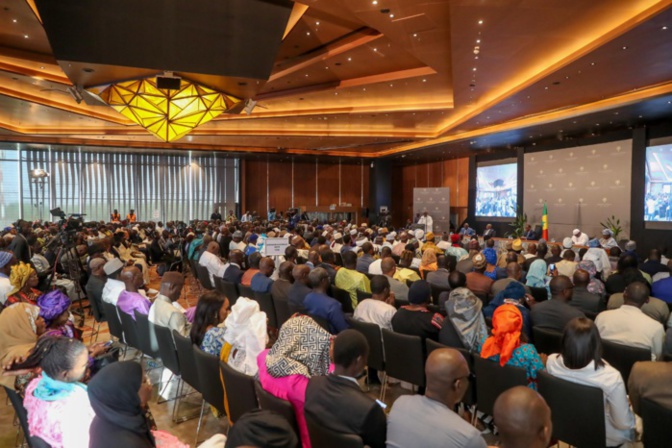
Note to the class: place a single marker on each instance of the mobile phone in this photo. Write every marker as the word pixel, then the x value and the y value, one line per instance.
pixel 108 343
pixel 552 267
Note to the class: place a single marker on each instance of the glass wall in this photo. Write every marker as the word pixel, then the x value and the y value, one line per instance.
pixel 159 186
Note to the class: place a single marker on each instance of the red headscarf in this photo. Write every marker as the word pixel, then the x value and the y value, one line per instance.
pixel 507 322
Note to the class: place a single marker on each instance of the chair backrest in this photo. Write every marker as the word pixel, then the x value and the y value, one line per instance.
pixel 36 442
pixel 185 355
pixel 449 336
pixel 656 420
pixel 113 322
pixel 272 403
pixel 404 357
pixel 470 394
pixel 539 294
pixel 436 292
pixel 338 261
pixel 204 277
pixel 230 291
pixel 266 305
pixel 493 379
pixel 577 411
pixel 282 312
pixel 343 297
pixel 146 335
pixel 239 391
pixel 622 357
pixel 96 301
pixel 547 341
pixel 219 287
pixel 245 291
pixel 361 295
pixel 130 330
pixel 167 350
pixel 210 383
pixel 21 413
pixel 375 339
pixel 326 438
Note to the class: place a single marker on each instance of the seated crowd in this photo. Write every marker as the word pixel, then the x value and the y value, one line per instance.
pixel 456 289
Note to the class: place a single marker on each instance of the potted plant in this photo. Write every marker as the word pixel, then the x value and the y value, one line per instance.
pixel 518 224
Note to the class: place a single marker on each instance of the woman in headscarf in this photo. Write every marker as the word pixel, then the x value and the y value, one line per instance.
pixel 20 326
pixel 507 345
pixel 491 258
pixel 301 352
pixel 595 286
pixel 24 280
pixel 428 263
pixel 245 336
pixel 119 394
pixel 601 260
pixel 54 307
pixel 56 401
pixel 537 278
pixel 464 311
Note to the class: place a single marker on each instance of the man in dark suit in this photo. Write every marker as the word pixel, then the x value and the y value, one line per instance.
pixel 19 245
pixel 233 273
pixel 337 402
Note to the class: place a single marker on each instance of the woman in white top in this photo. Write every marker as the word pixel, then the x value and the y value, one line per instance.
pixel 581 362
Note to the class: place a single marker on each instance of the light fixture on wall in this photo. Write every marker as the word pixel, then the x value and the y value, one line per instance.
pixel 168 114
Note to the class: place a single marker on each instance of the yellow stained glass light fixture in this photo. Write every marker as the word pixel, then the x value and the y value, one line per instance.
pixel 168 114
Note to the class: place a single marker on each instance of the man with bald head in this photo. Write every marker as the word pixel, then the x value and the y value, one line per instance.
pixel 523 419
pixel 428 420
pixel 165 310
pixel 261 282
pixel 210 260
pixel 554 314
pixel 400 289
pixel 583 299
pixel 300 288
pixel 628 325
pixel 281 286
pixel 130 300
pixel 232 270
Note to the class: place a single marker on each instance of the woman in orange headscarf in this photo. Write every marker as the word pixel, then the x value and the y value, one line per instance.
pixel 428 263
pixel 507 345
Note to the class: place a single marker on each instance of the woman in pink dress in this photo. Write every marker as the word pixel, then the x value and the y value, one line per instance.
pixel 301 352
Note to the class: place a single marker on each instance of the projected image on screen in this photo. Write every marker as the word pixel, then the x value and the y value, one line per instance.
pixel 658 199
pixel 496 190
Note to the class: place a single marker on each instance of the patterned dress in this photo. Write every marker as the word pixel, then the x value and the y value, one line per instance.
pixel 213 341
pixel 525 357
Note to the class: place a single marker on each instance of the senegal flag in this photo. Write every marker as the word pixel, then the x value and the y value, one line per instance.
pixel 544 224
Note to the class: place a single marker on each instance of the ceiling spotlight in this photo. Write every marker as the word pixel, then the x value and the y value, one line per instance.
pixel 592 63
pixel 349 59
pixel 307 33
pixel 425 80
pixel 317 23
pixel 14 20
pixel 474 69
pixel 375 49
pixel 391 16
pixel 625 48
pixel 25 36
pixel 480 22
pixel 374 2
pixel 663 28
pixel 415 34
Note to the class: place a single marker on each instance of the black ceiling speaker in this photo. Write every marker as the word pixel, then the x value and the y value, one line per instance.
pixel 168 82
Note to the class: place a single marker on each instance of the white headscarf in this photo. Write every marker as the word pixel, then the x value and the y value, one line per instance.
pixel 246 333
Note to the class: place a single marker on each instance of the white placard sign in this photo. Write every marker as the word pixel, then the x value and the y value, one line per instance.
pixel 276 246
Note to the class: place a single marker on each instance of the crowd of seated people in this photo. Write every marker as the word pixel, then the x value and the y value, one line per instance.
pixel 404 281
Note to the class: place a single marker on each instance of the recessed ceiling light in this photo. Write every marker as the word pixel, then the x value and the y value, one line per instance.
pixel 478 41
pixel 391 85
pixel 14 20
pixel 663 28
pixel 364 89
pixel 480 22
pixel 415 34
pixel 307 33
pixel 625 48
pixel 25 36
pixel 42 67
pixel 425 80
pixel 473 69
pixel 349 59
pixel 592 63
pixel 317 23
pixel 391 16
pixel 374 2
pixel 375 49
pixel 306 75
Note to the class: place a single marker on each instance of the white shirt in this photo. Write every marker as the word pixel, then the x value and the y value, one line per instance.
pixel 163 313
pixel 628 325
pixel 111 290
pixel 581 240
pixel 619 418
pixel 374 268
pixel 240 246
pixel 214 265
pixel 426 221
pixel 375 312
pixel 443 245
pixel 5 287
pixel 336 247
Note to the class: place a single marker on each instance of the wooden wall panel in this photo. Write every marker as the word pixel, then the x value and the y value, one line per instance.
pixel 255 186
pixel 280 185
pixel 304 184
pixel 327 183
pixel 351 184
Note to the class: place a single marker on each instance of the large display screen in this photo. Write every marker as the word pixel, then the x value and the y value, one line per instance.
pixel 497 190
pixel 658 199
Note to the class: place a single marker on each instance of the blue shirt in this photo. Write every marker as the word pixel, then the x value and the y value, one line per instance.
pixel 469 231
pixel 662 289
pixel 261 283
pixel 322 306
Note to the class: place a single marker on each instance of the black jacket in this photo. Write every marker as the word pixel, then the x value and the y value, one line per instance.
pixel 233 274
pixel 340 405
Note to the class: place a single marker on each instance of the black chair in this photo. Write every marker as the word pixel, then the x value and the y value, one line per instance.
pixel 374 337
pixel 204 277
pixel 547 341
pixel 493 379
pixel 113 322
pixel 20 411
pixel 656 421
pixel 219 287
pixel 326 438
pixel 282 312
pixel 622 357
pixel 230 291
pixel 130 330
pixel 469 398
pixel 343 297
pixel 404 358
pixel 577 411
pixel 539 294
pixel 436 292
pixel 146 336
pixel 168 354
pixel 210 384
pixel 449 336
pixel 238 392
pixel 36 442
pixel 266 305
pixel 245 291
pixel 185 356
pixel 97 310
pixel 361 295
pixel 272 403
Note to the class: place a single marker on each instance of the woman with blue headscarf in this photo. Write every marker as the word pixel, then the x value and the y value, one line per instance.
pixel 537 278
pixel 491 258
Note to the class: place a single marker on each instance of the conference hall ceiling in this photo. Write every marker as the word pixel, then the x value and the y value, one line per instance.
pixel 347 78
